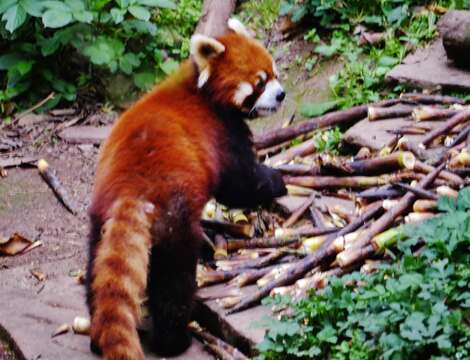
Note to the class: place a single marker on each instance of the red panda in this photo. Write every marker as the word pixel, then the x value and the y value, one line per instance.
pixel 166 156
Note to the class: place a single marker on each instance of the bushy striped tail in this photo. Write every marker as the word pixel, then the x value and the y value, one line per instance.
pixel 119 279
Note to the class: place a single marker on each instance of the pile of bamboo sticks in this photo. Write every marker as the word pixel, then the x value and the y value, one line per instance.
pixel 399 184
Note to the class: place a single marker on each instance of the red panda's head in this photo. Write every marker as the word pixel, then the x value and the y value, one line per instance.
pixel 237 72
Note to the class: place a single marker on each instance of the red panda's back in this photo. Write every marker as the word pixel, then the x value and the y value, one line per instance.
pixel 167 142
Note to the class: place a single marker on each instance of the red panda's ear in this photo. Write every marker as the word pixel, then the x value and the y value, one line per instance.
pixel 238 27
pixel 202 49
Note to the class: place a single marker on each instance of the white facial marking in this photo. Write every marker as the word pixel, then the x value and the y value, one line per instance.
pixel 267 103
pixel 244 90
pixel 262 74
pixel 203 77
pixel 238 27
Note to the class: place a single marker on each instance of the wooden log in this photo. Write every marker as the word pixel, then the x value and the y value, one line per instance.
pixel 215 14
pixel 326 182
pixel 389 217
pixel 54 183
pixel 299 269
pixel 450 124
pixel 431 99
pixel 378 113
pixel 251 276
pixel 416 217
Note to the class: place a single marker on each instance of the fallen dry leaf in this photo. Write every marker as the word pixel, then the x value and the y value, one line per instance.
pixel 62 329
pixel 14 245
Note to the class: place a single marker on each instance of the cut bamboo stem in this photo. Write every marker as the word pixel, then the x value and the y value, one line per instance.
pixel 378 113
pixel 378 165
pixel 325 182
pixel 426 113
pixel 54 183
pixel 220 247
pixel 299 169
pixel 244 230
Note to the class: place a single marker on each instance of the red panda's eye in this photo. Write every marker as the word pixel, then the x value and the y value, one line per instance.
pixel 260 84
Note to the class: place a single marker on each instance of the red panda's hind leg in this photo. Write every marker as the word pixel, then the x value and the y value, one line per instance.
pixel 118 279
pixel 172 281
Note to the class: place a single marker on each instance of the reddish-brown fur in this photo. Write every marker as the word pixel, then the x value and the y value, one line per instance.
pixel 160 165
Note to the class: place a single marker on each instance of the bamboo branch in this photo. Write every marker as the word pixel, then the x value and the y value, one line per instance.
pixel 325 182
pixel 208 338
pixel 54 183
pixel 386 220
pixel 299 169
pixel 303 266
pixel 424 194
pixel 432 99
pixel 450 124
pixel 384 192
pixel 300 211
pixel 305 148
pixel 220 247
pixel 450 177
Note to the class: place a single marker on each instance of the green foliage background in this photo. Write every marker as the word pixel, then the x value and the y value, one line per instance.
pixel 68 46
pixel 416 306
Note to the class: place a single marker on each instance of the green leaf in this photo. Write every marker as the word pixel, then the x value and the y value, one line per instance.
pixel 56 5
pixel 445 203
pixel 105 51
pixel 9 60
pixel 15 16
pixel 169 66
pixel 316 109
pixel 168 4
pixel 56 18
pixel 32 7
pixel 75 5
pixel 117 15
pixel 83 16
pixel 139 12
pixel 128 62
pixel 6 4
pixel 144 80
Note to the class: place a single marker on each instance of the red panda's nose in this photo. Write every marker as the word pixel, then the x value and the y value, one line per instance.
pixel 280 95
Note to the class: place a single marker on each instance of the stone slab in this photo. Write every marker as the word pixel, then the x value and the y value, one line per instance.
pixel 374 135
pixel 429 67
pixel 85 134
pixel 31 311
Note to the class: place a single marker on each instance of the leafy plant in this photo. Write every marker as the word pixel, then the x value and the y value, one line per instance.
pixel 328 141
pixel 67 45
pixel 362 78
pixel 415 307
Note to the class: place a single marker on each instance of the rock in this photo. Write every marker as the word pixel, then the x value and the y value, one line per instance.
pixel 374 135
pixel 429 68
pixel 85 134
pixel 454 28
